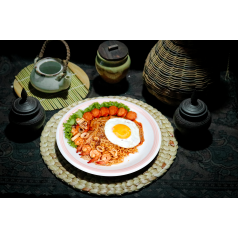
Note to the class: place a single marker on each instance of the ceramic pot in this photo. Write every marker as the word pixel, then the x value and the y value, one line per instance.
pixel 112 64
pixel 27 113
pixel 192 116
pixel 189 127
pixel 50 75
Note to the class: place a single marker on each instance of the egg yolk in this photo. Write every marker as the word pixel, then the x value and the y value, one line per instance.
pixel 121 131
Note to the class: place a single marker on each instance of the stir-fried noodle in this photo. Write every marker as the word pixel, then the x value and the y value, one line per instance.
pixel 97 140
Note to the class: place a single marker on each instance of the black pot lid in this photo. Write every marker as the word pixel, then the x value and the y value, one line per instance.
pixel 193 109
pixel 25 105
pixel 113 50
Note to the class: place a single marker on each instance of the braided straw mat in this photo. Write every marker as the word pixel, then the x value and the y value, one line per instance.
pixel 100 185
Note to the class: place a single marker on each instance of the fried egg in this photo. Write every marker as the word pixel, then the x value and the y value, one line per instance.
pixel 122 132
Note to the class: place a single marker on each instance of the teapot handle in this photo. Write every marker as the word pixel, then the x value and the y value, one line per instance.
pixel 65 61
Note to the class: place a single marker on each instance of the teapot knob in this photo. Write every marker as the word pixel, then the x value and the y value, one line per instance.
pixel 194 99
pixel 23 96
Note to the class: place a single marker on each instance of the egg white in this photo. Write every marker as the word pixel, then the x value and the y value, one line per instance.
pixel 131 141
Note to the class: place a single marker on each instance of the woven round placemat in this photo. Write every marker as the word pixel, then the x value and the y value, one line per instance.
pixel 101 185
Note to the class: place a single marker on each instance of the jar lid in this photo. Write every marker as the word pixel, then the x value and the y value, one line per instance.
pixel 193 109
pixel 113 50
pixel 25 105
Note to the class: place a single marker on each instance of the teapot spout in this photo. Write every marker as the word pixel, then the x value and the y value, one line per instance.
pixel 66 82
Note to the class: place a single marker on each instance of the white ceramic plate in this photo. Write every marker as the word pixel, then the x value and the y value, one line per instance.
pixel 146 152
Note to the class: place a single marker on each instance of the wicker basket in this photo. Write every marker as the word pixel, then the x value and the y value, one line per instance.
pixel 174 69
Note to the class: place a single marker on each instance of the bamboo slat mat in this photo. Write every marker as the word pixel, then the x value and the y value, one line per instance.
pixel 76 92
pixel 100 185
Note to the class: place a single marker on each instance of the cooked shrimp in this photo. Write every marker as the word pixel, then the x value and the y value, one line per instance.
pixel 85 135
pixel 86 150
pixel 95 155
pixel 78 141
pixel 75 137
pixel 105 159
pixel 79 148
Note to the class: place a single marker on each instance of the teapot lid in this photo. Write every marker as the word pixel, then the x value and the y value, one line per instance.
pixel 193 109
pixel 113 50
pixel 25 105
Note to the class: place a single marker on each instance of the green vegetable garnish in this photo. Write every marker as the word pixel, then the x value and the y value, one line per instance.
pixel 79 114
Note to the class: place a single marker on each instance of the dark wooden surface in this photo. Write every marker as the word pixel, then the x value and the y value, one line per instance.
pixel 114 53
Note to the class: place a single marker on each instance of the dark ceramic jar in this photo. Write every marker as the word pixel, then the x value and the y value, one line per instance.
pixel 27 113
pixel 192 116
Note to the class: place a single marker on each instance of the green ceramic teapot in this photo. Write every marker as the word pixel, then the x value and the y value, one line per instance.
pixel 51 75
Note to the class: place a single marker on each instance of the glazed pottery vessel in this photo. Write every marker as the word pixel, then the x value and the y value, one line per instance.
pixel 112 61
pixel 50 75
pixel 192 116
pixel 27 113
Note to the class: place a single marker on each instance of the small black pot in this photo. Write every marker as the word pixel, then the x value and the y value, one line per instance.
pixel 27 113
pixel 192 116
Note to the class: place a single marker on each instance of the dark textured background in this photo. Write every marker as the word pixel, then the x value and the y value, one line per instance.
pixel 204 167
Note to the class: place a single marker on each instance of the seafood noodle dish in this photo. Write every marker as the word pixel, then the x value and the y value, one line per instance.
pixel 104 134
